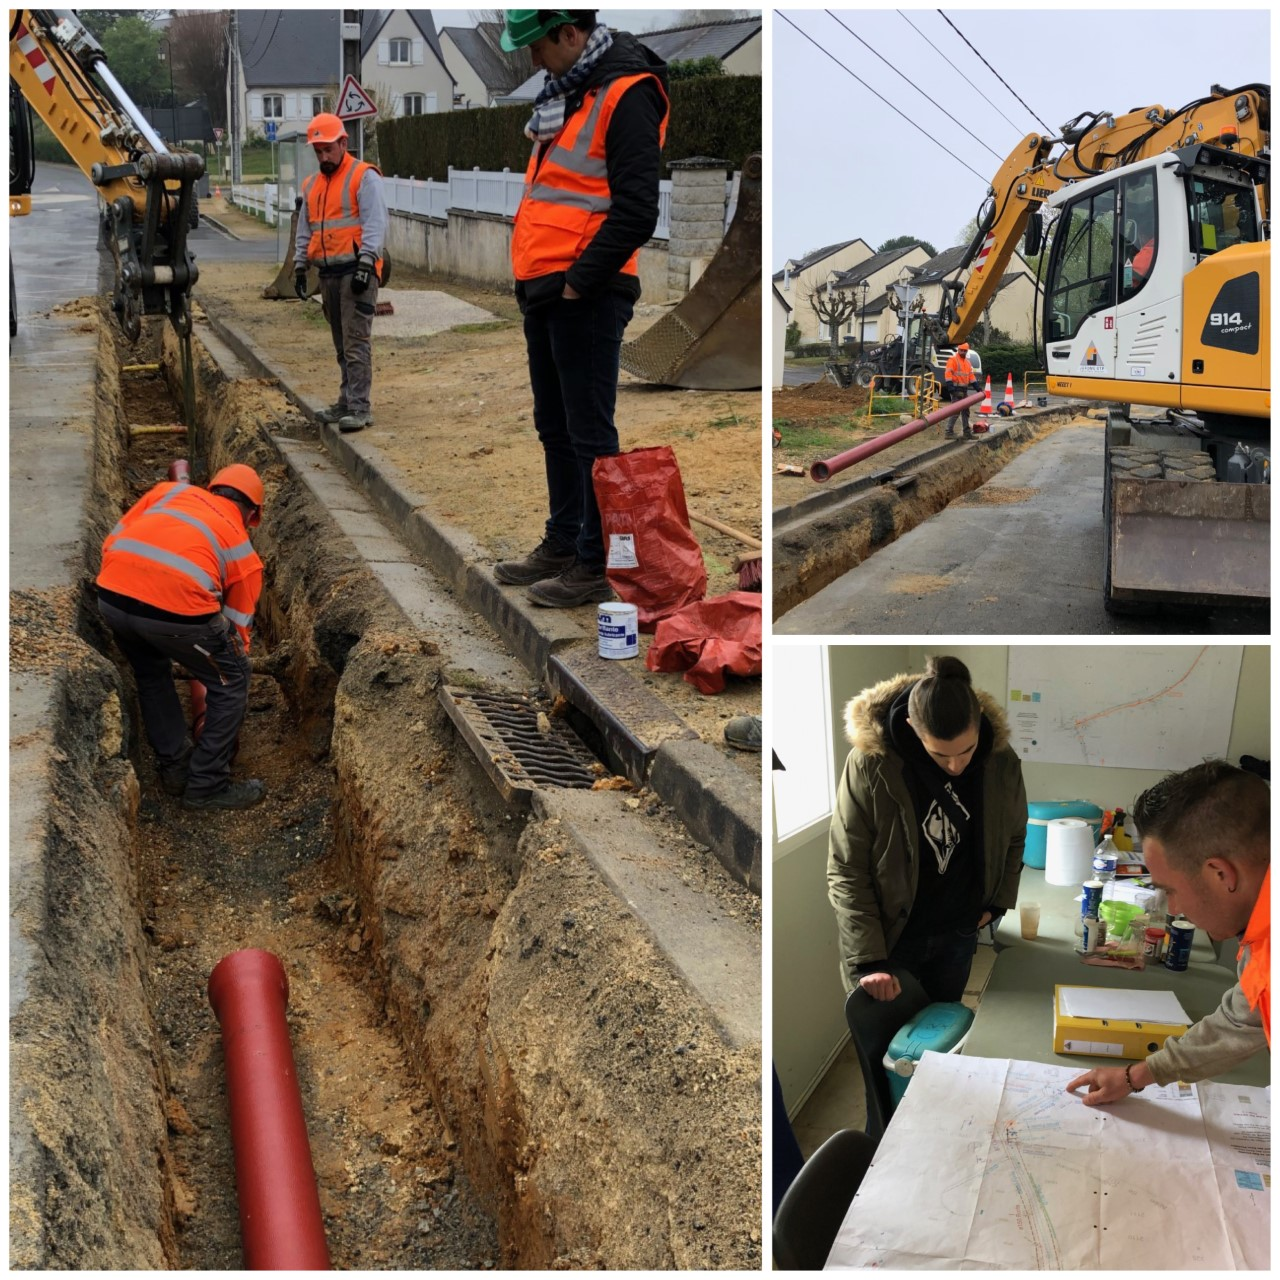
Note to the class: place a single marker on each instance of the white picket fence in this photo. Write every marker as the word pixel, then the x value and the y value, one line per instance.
pixel 470 190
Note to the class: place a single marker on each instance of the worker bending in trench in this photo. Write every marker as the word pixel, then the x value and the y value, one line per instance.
pixel 590 201
pixel 179 582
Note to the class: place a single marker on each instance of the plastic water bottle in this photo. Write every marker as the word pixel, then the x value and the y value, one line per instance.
pixel 1105 858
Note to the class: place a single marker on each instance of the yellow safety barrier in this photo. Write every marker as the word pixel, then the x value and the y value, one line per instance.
pixel 914 397
pixel 19 206
pixel 1026 382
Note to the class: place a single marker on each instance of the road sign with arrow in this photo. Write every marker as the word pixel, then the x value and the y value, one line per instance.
pixel 353 102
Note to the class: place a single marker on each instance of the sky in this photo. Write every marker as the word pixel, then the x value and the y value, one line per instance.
pixel 846 166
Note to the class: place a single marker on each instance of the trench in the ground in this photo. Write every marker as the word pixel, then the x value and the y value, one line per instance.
pixel 816 551
pixel 393 1191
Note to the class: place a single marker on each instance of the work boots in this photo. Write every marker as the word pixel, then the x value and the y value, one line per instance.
pixel 546 560
pixel 578 584
pixel 173 778
pixel 333 414
pixel 355 421
pixel 235 795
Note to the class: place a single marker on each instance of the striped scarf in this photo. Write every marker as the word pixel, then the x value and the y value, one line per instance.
pixel 548 107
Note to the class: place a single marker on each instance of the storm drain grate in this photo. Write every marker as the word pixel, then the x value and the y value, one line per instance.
pixel 503 731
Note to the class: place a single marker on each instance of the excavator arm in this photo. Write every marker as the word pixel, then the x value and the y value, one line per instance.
pixel 1091 144
pixel 146 188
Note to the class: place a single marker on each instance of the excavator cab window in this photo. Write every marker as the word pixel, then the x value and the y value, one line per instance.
pixel 1082 272
pixel 1222 213
pixel 1140 241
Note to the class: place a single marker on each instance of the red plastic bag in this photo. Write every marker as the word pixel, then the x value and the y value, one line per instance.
pixel 652 559
pixel 710 639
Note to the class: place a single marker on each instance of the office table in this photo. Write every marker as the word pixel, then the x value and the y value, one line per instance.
pixel 1015 1016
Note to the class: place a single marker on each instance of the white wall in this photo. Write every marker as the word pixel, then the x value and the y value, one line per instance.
pixel 808 999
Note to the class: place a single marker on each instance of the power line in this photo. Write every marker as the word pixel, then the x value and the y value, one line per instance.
pixel 883 99
pixel 915 86
pixel 993 71
pixel 270 39
pixel 957 70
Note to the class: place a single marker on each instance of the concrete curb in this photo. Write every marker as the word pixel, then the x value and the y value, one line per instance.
pixel 714 799
pixel 219 226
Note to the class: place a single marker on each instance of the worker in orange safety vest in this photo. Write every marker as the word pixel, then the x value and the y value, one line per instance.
pixel 342 226
pixel 590 202
pixel 959 378
pixel 180 582
pixel 1206 841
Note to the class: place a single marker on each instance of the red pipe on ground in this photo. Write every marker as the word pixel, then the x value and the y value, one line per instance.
pixel 825 470
pixel 280 1223
pixel 198 696
pixel 180 469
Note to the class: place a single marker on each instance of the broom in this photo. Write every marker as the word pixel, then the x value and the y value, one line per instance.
pixel 749 567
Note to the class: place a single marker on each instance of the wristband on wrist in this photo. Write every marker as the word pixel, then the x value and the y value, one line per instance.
pixel 1128 1079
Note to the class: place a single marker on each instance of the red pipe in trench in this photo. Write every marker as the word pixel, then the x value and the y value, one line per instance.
pixel 825 470
pixel 280 1223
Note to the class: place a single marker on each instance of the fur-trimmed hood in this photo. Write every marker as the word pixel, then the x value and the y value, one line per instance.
pixel 865 716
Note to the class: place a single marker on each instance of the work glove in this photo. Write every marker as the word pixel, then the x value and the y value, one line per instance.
pixel 363 277
pixel 300 283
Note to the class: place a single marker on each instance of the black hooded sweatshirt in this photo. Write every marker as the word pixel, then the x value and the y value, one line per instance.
pixel 633 162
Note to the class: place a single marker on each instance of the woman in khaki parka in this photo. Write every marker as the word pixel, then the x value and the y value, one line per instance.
pixel 927 835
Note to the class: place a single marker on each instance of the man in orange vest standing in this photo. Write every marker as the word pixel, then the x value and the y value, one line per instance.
pixel 959 377
pixel 590 202
pixel 342 226
pixel 179 583
pixel 1206 840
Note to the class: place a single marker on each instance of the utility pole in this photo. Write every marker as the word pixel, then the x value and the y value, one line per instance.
pixel 350 28
pixel 233 61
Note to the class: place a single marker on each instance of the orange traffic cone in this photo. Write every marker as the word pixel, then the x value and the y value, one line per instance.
pixel 1008 391
pixel 983 422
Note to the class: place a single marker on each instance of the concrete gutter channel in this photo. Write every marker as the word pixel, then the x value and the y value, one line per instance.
pixel 716 800
pixel 803 525
pixel 51 468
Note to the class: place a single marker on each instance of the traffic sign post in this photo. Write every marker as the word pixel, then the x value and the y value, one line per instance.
pixel 353 102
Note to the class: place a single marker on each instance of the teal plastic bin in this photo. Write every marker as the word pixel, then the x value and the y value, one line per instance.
pixel 1039 812
pixel 940 1027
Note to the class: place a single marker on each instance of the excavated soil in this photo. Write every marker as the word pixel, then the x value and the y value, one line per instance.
pixel 498 1067
pixel 453 413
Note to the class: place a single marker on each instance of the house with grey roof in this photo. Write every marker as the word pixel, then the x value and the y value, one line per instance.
pixel 869 283
pixel 801 277
pixel 735 41
pixel 290 60
pixel 403 64
pixel 481 71
pixel 1010 310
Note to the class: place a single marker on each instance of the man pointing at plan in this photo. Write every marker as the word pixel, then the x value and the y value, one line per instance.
pixel 1206 841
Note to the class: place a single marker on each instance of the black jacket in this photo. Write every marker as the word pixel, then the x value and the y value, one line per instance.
pixel 633 162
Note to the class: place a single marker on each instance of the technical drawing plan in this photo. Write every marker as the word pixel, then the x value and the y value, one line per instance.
pixel 989 1163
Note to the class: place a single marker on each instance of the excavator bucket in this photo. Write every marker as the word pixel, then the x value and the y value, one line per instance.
pixel 282 285
pixel 711 340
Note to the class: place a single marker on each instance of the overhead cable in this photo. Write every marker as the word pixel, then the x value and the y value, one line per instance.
pixel 957 70
pixel 915 86
pixel 993 71
pixel 270 40
pixel 887 103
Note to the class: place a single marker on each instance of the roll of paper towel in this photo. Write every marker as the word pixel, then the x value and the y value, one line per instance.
pixel 1068 857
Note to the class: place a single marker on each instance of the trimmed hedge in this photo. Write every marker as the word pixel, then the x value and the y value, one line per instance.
pixel 710 116
pixel 1002 360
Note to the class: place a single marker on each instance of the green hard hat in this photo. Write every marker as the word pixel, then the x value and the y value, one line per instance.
pixel 523 27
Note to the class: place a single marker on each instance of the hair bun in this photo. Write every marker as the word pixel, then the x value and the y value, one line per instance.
pixel 947 668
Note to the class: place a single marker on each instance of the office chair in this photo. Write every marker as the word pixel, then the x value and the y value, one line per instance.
pixel 872 1025
pixel 805 1226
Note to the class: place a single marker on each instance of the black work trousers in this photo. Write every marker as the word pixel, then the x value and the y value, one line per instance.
pixel 211 651
pixel 574 352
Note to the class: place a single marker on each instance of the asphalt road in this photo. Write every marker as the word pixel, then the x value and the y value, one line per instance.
pixel 54 250
pixel 1033 566
pixel 798 375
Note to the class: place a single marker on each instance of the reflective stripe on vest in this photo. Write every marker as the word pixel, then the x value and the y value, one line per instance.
pixel 333 210
pixel 1255 981
pixel 244 620
pixel 171 561
pixel 566 194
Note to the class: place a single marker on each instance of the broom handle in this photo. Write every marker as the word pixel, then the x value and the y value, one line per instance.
pixel 745 538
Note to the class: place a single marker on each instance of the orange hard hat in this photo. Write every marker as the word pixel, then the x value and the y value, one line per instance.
pixel 326 127
pixel 964 346
pixel 244 480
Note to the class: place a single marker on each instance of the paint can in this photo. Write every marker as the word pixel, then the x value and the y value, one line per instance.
pixel 617 629
pixel 1090 898
pixel 1181 933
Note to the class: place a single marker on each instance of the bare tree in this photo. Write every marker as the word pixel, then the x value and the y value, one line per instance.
pixel 199 47
pixel 489 24
pixel 833 307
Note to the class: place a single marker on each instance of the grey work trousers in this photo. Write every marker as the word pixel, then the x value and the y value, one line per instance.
pixel 350 319
pixel 211 651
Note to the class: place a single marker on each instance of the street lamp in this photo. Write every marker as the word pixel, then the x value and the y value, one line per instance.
pixel 173 108
pixel 862 328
